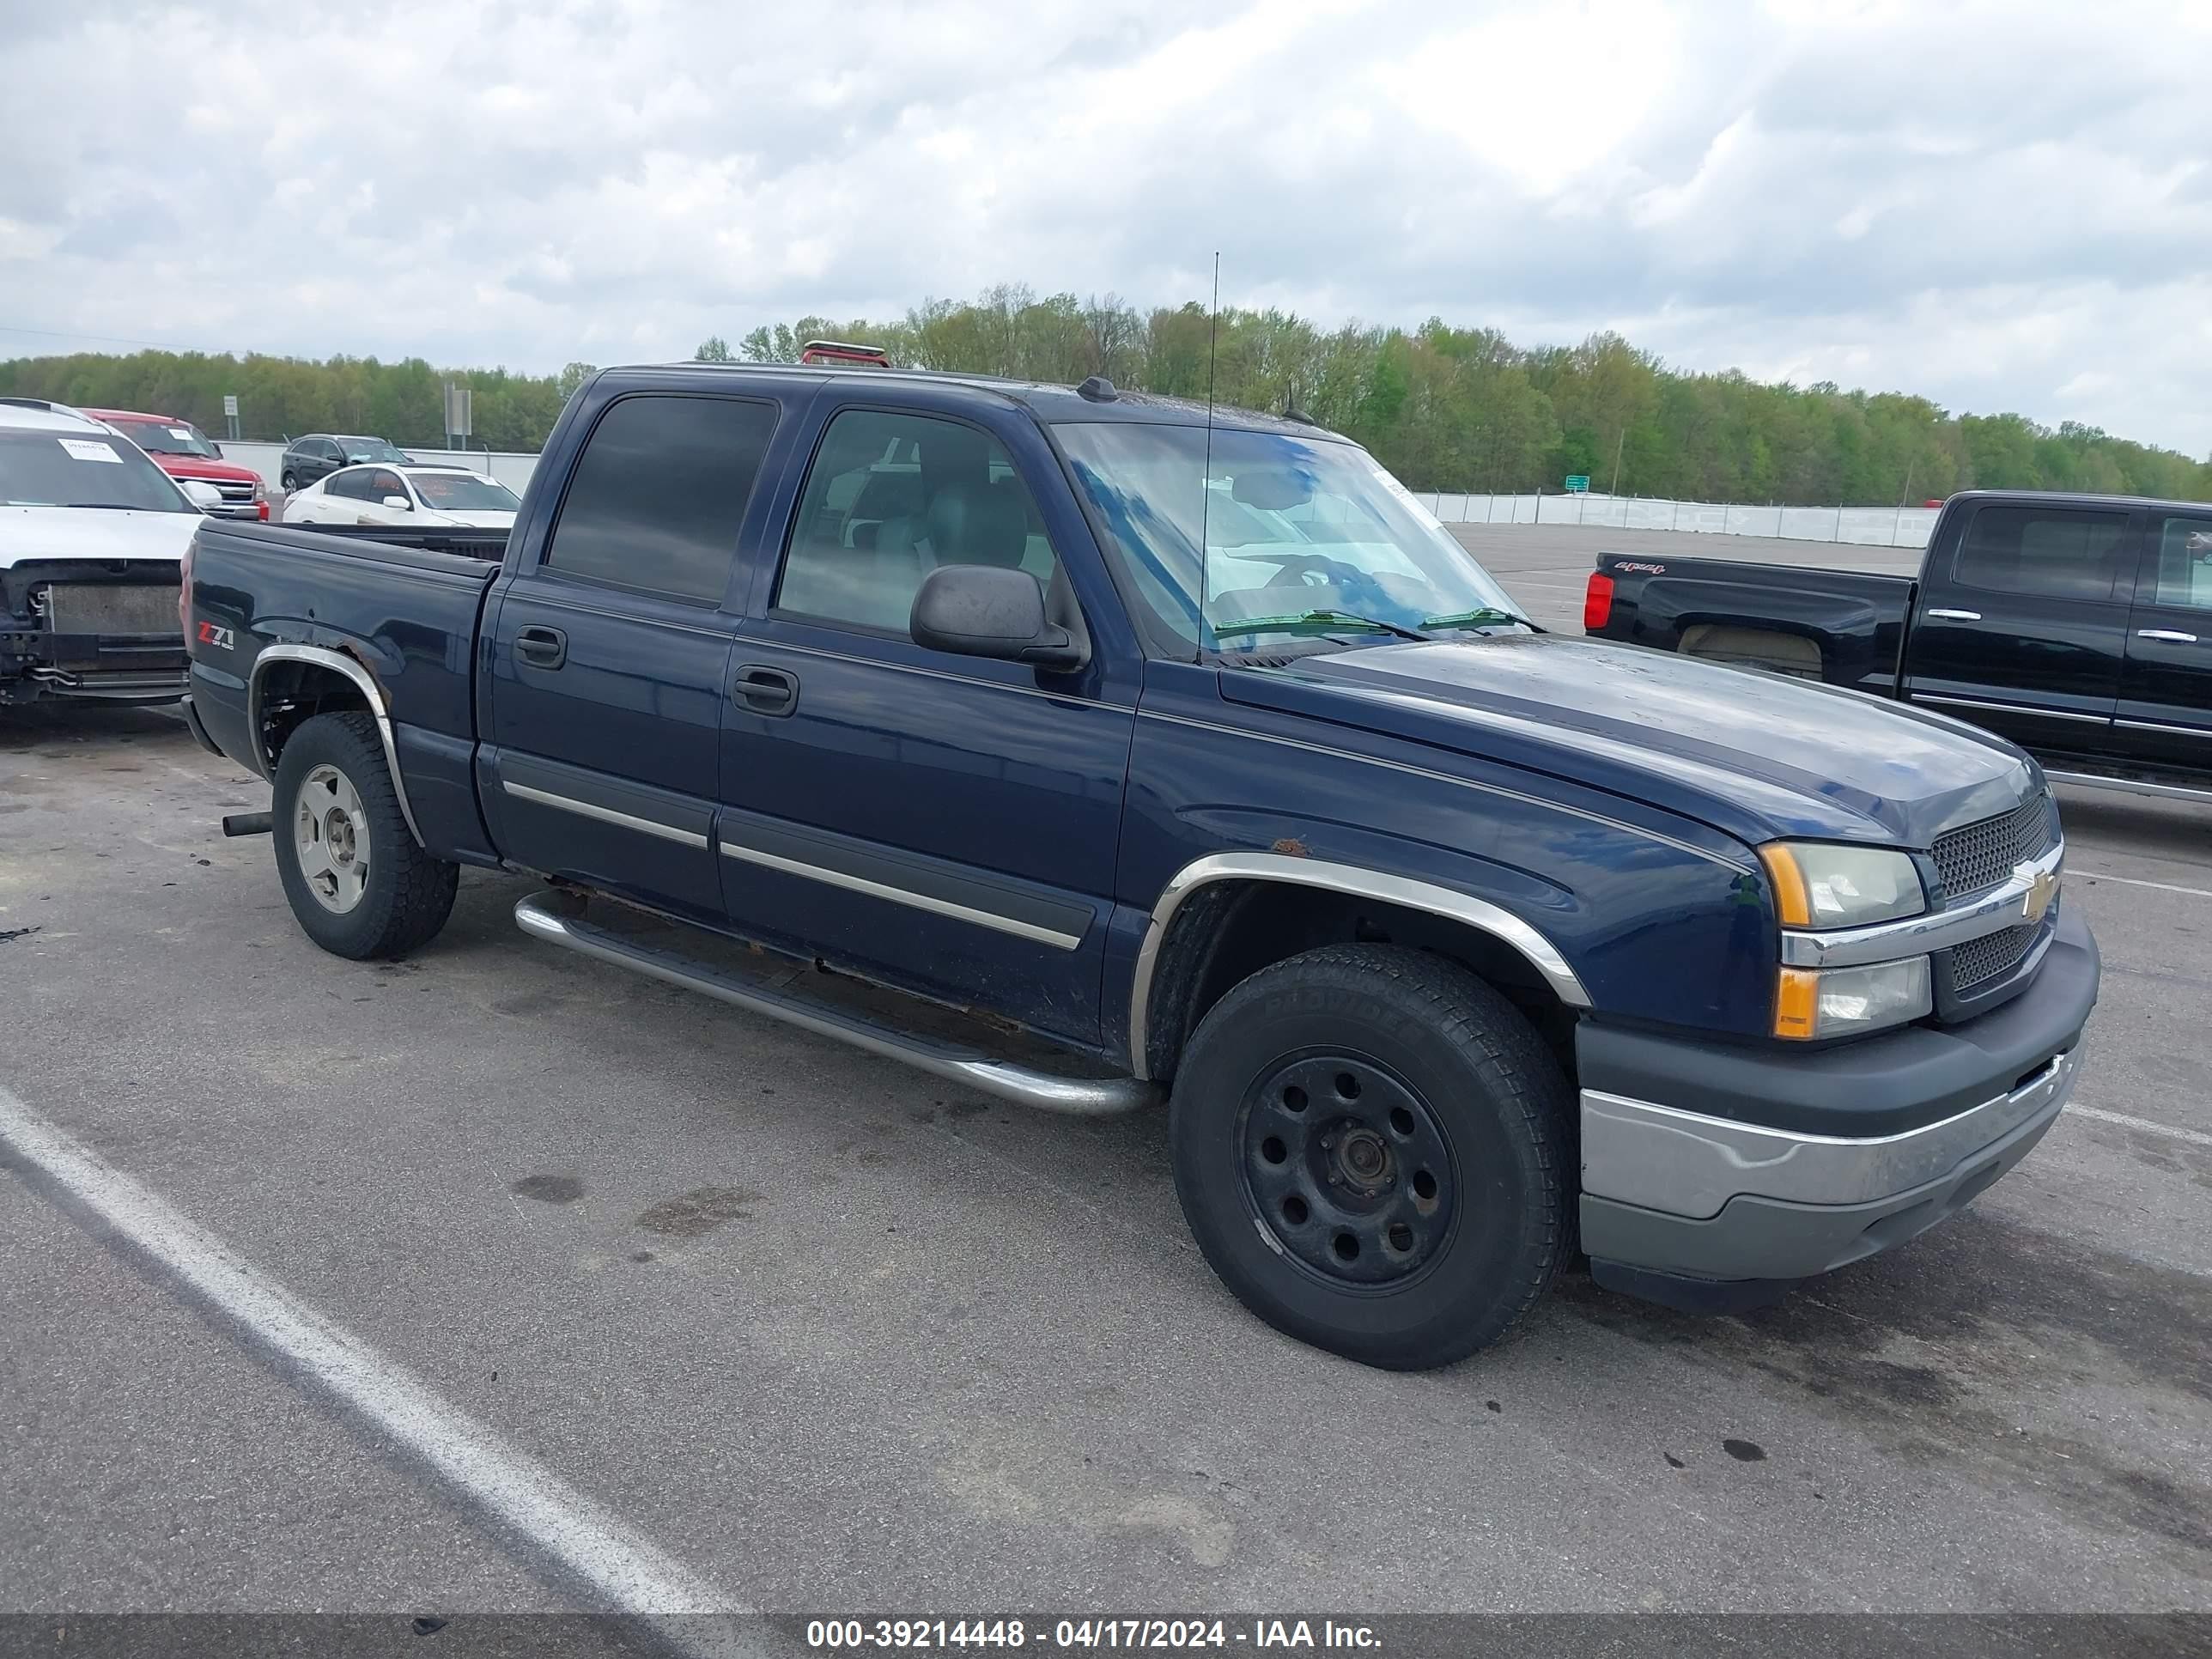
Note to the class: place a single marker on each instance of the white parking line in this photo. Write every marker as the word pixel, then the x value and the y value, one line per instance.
pixel 622 1570
pixel 2194 1137
pixel 2136 881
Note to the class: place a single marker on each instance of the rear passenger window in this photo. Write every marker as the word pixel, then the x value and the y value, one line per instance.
pixel 891 497
pixel 658 493
pixel 2032 549
pixel 2184 572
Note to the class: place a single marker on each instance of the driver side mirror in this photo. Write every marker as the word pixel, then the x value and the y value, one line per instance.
pixel 400 501
pixel 988 610
pixel 202 494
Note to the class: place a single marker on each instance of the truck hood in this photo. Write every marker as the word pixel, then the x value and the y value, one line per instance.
pixel 1755 754
pixel 200 466
pixel 28 533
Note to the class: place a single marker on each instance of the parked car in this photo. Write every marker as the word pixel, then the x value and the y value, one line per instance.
pixel 183 451
pixel 403 495
pixel 2078 626
pixel 92 535
pixel 1203 759
pixel 321 453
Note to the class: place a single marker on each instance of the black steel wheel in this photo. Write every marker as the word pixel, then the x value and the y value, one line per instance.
pixel 1371 1147
pixel 1349 1168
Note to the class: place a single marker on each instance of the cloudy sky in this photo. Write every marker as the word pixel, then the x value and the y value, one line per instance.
pixel 2004 206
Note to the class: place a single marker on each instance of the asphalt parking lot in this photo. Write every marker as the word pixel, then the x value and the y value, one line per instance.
pixel 837 1339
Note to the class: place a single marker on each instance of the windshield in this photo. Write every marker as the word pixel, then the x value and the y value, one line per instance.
pixel 1303 538
pixel 368 449
pixel 463 492
pixel 167 437
pixel 52 469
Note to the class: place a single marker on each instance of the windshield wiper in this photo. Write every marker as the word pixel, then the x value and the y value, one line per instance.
pixel 1488 617
pixel 1306 619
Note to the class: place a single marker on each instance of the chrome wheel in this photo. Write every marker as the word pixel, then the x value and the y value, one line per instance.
pixel 330 832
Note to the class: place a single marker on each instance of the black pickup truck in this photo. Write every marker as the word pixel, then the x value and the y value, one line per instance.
pixel 2078 626
pixel 1187 747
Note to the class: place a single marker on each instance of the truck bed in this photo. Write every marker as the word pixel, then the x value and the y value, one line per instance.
pixel 405 605
pixel 1848 626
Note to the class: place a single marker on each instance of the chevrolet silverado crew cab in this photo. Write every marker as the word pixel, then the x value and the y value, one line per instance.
pixel 92 537
pixel 2078 626
pixel 1198 760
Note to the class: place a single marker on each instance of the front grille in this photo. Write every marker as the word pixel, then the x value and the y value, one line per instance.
pixel 1983 855
pixel 234 489
pixel 111 608
pixel 1982 959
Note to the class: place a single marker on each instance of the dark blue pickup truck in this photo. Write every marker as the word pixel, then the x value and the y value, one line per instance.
pixel 1185 751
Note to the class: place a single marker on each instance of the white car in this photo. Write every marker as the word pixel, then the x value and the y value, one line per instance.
pixel 415 497
pixel 91 538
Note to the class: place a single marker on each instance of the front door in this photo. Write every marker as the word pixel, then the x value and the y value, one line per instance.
pixel 947 823
pixel 2164 712
pixel 608 659
pixel 2021 622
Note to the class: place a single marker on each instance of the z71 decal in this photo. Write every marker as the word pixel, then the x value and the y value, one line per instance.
pixel 218 637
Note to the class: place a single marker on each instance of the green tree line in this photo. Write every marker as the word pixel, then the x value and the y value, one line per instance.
pixel 1443 407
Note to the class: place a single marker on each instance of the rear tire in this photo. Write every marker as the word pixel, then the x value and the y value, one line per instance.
pixel 358 883
pixel 1372 1149
pixel 291 482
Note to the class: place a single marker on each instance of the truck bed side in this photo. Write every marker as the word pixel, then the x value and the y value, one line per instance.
pixel 281 619
pixel 1846 626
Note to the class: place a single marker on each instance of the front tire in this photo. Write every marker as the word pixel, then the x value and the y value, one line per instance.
pixel 1372 1148
pixel 357 881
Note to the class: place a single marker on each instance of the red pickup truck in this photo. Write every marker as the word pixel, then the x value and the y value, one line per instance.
pixel 183 451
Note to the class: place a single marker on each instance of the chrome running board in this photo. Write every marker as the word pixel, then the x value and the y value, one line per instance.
pixel 1071 1095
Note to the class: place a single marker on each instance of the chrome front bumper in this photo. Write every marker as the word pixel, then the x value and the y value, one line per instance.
pixel 1684 1163
pixel 1711 1216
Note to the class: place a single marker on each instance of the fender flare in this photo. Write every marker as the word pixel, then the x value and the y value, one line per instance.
pixel 339 663
pixel 1502 925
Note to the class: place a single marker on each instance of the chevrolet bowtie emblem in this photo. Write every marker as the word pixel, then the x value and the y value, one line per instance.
pixel 2042 888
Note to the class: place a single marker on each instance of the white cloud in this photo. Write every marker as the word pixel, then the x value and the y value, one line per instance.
pixel 1997 204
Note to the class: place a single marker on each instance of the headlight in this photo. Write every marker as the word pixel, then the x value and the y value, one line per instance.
pixel 1832 1002
pixel 1821 884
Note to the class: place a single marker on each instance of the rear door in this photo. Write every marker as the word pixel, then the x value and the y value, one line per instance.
pixel 608 658
pixel 2164 712
pixel 2022 621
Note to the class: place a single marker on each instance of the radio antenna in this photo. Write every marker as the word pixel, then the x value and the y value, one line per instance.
pixel 1205 477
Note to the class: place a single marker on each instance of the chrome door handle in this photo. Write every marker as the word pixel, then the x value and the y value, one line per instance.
pixel 1957 616
pixel 2171 635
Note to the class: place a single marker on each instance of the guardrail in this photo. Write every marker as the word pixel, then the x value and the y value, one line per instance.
pixel 1868 527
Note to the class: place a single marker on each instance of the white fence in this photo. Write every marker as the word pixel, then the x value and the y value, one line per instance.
pixel 1867 526
pixel 1873 526
pixel 513 471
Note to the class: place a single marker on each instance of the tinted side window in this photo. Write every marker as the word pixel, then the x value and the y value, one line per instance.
pixel 2183 575
pixel 658 493
pixel 2033 549
pixel 348 484
pixel 891 497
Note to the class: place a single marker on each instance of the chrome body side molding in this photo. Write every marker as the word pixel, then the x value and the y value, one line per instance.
pixel 338 663
pixel 605 814
pixel 544 917
pixel 2130 786
pixel 1479 914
